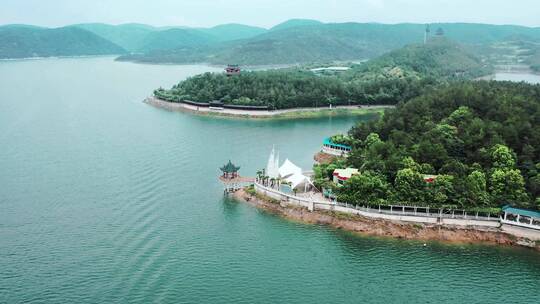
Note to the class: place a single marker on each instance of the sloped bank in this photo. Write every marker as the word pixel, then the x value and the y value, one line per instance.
pixel 384 228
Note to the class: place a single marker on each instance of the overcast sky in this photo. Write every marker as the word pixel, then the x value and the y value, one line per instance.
pixel 266 13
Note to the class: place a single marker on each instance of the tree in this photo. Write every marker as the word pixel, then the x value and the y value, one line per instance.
pixel 508 186
pixel 476 189
pixel 371 139
pixel 463 115
pixel 440 191
pixel 503 157
pixel 367 187
pixel 409 163
pixel 410 186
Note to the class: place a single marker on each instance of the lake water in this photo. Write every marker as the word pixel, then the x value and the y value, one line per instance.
pixel 527 77
pixel 104 199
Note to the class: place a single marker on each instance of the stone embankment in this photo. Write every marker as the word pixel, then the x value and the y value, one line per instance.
pixel 285 113
pixel 384 227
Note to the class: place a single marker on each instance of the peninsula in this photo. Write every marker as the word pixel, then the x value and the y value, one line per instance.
pixel 385 81
pixel 460 163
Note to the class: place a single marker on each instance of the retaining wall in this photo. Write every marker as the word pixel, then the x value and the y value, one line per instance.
pixel 288 199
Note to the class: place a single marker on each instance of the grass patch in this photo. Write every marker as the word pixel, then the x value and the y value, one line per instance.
pixel 418 226
pixel 251 190
pixel 302 114
pixel 342 215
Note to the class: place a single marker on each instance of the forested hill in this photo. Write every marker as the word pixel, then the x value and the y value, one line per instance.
pixel 294 41
pixel 439 58
pixel 129 36
pixel 395 77
pixel 482 139
pixel 140 38
pixel 295 23
pixel 27 41
pixel 305 41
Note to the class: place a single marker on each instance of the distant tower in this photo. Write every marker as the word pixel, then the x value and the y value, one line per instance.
pixel 426 34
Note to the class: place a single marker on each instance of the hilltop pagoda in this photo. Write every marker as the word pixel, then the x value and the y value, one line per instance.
pixel 232 69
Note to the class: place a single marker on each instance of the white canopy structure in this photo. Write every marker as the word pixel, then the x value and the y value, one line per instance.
pixel 273 164
pixel 298 179
pixel 288 169
pixel 293 174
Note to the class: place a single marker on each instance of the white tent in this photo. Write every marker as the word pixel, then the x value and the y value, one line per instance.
pixel 293 174
pixel 288 169
pixel 298 179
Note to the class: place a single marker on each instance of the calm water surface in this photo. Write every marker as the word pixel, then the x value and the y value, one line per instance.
pixel 104 199
pixel 527 77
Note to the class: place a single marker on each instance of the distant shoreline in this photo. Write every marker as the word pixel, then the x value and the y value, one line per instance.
pixel 59 57
pixel 284 113
pixel 510 69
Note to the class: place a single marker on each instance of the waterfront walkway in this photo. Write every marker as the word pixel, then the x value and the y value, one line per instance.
pixel 397 213
pixel 178 106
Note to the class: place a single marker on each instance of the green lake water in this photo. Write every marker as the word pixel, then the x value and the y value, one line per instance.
pixel 104 199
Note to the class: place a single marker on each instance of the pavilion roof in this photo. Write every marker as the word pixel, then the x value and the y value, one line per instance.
pixel 229 168
pixel 328 141
pixel 522 212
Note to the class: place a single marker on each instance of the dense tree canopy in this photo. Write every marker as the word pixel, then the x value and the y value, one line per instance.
pixel 291 88
pixel 19 41
pixel 481 139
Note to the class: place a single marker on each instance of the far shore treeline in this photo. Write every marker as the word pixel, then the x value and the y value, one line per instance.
pixel 392 78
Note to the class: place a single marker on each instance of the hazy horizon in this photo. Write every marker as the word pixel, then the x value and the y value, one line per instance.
pixel 58 13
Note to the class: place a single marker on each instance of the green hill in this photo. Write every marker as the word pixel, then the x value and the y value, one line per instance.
pixel 233 31
pixel 175 39
pixel 295 23
pixel 308 43
pixel 439 58
pixel 129 36
pixel 475 33
pixel 296 41
pixel 303 41
pixel 137 38
pixel 28 41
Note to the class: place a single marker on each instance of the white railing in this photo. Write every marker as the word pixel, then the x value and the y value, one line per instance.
pixel 335 152
pixel 520 224
pixel 395 212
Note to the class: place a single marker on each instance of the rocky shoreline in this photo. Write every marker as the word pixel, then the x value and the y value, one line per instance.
pixel 285 113
pixel 385 228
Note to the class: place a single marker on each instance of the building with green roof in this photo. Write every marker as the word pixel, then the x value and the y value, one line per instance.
pixel 521 217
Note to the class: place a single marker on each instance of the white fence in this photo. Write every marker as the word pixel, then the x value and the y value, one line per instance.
pixel 396 213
